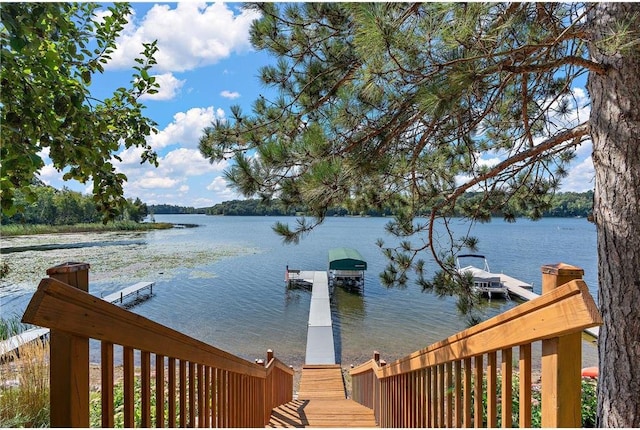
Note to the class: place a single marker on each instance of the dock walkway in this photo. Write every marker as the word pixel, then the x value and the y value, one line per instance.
pixel 320 345
pixel 129 291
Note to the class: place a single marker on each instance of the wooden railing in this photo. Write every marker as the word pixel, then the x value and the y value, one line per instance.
pixel 444 384
pixel 191 384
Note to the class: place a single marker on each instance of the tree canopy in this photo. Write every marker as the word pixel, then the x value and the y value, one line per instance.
pixel 401 104
pixel 50 53
pixel 393 104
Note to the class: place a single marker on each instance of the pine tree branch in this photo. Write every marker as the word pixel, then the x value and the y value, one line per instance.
pixel 572 134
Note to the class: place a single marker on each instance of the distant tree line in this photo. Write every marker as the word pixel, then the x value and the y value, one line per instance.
pixel 174 210
pixel 566 204
pixel 66 207
pixel 47 205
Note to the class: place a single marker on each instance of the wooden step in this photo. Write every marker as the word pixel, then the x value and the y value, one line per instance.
pixel 322 402
pixel 322 413
pixel 321 382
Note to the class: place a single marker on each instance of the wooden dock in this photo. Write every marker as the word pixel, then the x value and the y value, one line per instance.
pixel 129 291
pixel 14 343
pixel 322 403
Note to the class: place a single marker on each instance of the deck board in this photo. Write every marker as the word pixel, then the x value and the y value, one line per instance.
pixel 322 403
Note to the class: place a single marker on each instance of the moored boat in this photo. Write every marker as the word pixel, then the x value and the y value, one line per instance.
pixel 484 281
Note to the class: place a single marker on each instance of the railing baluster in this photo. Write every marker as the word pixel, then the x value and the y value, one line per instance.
pixel 201 408
pixel 160 391
pixel 171 395
pixel 107 384
pixel 183 394
pixel 477 392
pixel 431 399
pixel 441 396
pixel 525 386
pixel 207 396
pixel 449 393
pixel 492 392
pixel 467 393
pixel 192 394
pixel 129 389
pixel 507 388
pixel 458 394
pixel 145 389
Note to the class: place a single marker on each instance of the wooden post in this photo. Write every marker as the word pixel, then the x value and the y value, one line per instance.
pixel 376 356
pixel 69 360
pixel 561 361
pixel 269 355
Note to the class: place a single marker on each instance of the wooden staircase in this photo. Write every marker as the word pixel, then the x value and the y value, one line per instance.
pixel 322 403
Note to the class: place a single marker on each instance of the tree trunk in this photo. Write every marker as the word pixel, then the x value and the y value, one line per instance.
pixel 615 131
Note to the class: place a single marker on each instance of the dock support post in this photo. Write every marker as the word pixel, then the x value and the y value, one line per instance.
pixel 269 355
pixel 561 361
pixel 69 367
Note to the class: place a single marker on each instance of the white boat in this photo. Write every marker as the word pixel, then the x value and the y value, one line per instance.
pixel 484 281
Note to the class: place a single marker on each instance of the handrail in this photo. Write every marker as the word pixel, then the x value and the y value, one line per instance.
pixel 215 383
pixel 441 373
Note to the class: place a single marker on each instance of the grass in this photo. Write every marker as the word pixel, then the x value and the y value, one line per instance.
pixel 24 393
pixel 32 229
pixel 11 327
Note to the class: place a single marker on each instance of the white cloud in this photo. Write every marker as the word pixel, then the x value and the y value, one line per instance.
pixel 186 128
pixel 581 176
pixel 189 36
pixel 189 162
pixel 218 184
pixel 230 94
pixel 49 174
pixel 170 86
pixel 156 182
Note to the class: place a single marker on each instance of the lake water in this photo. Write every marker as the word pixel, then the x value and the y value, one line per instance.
pixel 236 299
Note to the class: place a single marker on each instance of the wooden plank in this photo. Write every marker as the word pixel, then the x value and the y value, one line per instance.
pixel 171 393
pixel 336 413
pixel 321 382
pixel 182 370
pixel 524 370
pixel 507 388
pixel 160 391
pixel 458 395
pixel 492 390
pixel 477 392
pixel 129 387
pixel 145 389
pixel 192 394
pixel 106 391
pixel 466 422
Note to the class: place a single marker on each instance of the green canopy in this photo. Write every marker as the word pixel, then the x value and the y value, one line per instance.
pixel 346 259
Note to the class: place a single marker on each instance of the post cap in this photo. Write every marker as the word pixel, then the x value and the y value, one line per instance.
pixel 68 267
pixel 561 269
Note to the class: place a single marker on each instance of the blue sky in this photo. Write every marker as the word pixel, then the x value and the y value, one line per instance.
pixel 205 65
